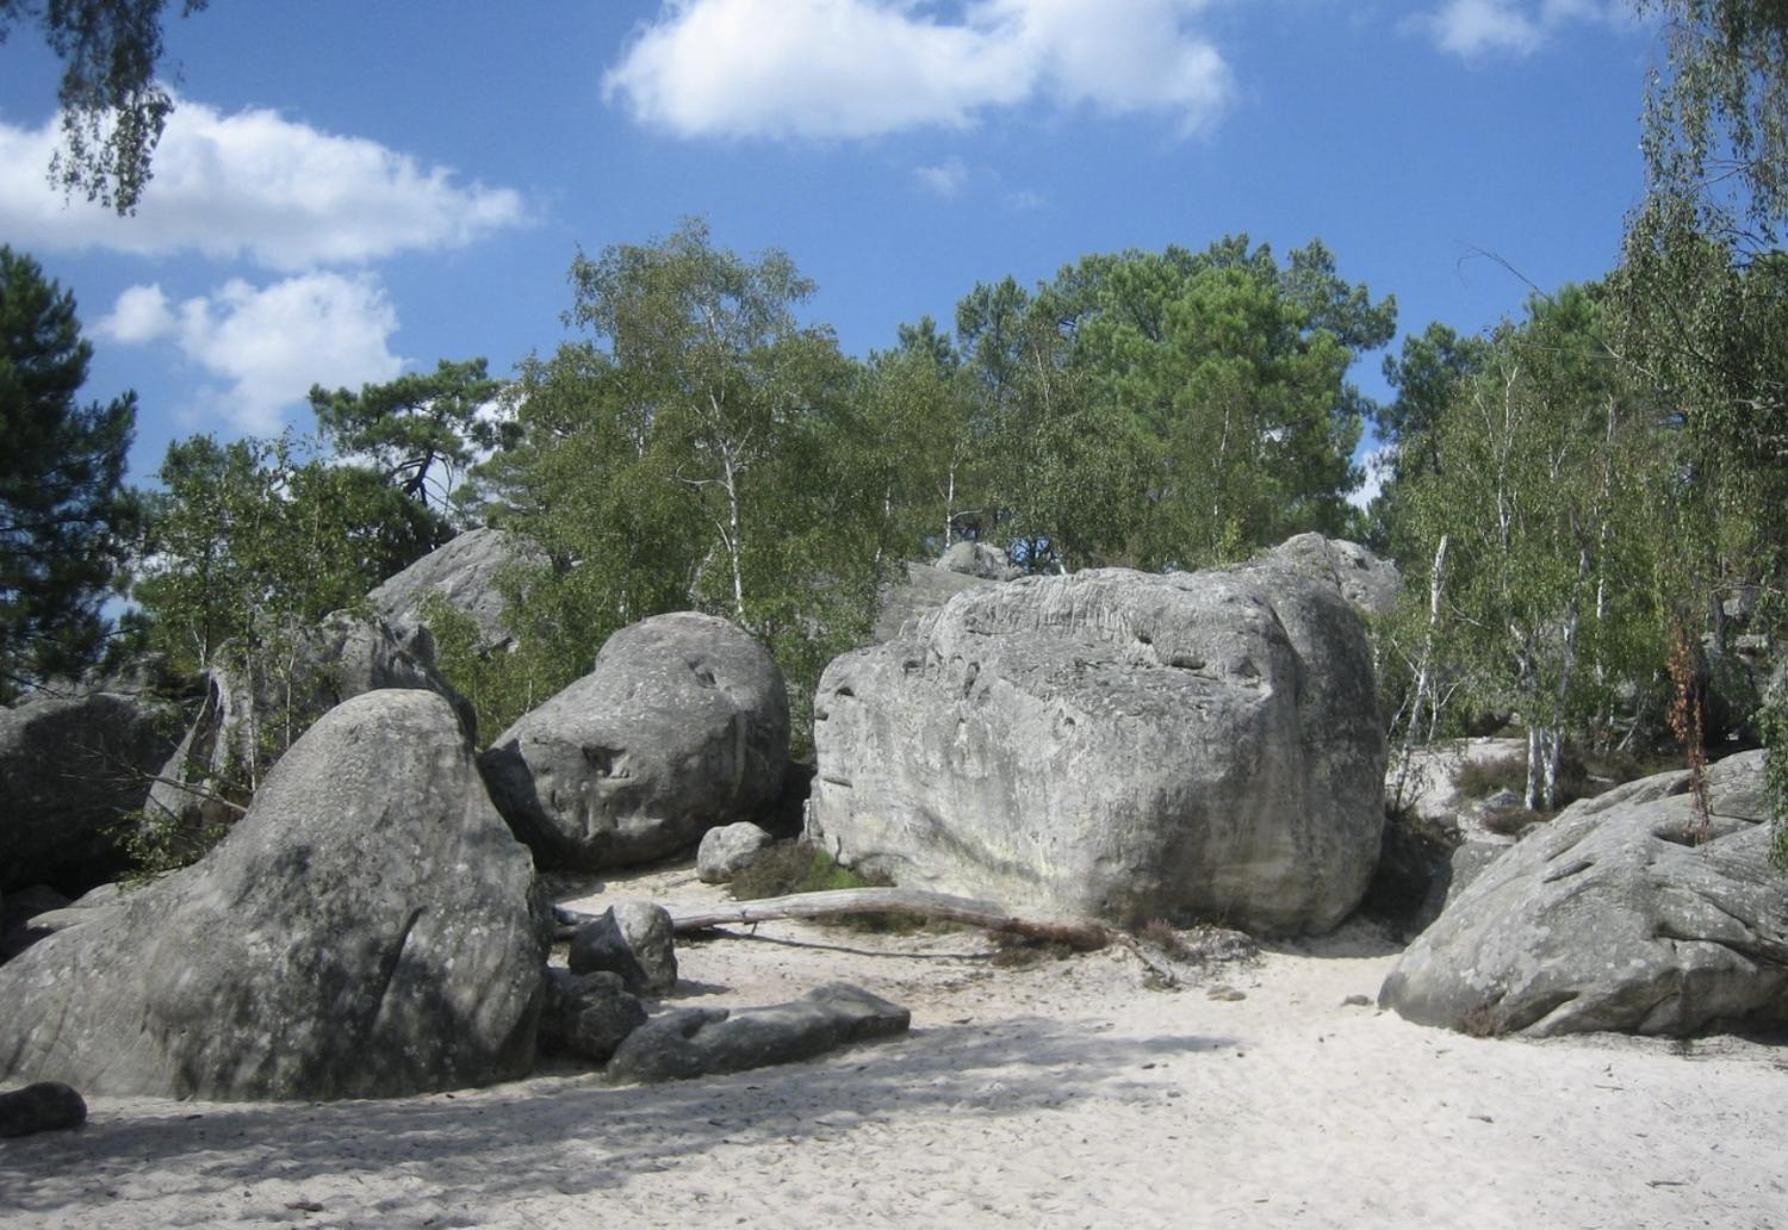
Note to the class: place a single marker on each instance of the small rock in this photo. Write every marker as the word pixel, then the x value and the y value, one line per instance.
pixel 48 1106
pixel 1357 1001
pixel 1228 995
pixel 588 1015
pixel 633 939
pixel 728 850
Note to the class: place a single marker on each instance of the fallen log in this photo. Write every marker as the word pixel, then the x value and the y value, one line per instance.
pixel 984 914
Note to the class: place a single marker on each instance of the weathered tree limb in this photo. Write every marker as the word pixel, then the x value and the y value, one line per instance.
pixel 984 914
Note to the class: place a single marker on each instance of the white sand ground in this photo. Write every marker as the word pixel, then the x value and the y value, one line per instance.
pixel 1067 1095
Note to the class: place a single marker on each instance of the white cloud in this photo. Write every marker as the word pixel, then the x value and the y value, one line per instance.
pixel 1378 465
pixel 267 346
pixel 140 315
pixel 1477 28
pixel 254 185
pixel 947 179
pixel 859 68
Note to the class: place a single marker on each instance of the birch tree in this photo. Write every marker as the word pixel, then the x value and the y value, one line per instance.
pixel 1535 493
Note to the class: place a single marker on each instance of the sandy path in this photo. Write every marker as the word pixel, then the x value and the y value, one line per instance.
pixel 1062 1095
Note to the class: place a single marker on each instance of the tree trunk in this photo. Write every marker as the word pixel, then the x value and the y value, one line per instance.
pixel 984 914
pixel 1423 683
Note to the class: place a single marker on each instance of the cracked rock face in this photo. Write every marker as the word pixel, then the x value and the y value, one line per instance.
pixel 1612 918
pixel 681 725
pixel 366 930
pixel 1115 744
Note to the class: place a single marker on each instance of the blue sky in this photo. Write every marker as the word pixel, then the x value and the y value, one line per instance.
pixel 353 190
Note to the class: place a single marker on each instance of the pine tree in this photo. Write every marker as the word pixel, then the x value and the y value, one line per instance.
pixel 63 507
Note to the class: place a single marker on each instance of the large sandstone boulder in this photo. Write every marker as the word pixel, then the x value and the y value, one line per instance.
pixel 464 572
pixel 251 713
pixel 1369 583
pixel 1115 744
pixel 72 767
pixel 367 930
pixel 1610 917
pixel 681 725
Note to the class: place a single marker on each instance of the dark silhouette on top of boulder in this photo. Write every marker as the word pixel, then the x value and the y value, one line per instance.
pixel 366 930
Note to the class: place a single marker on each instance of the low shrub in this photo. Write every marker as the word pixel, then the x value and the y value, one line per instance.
pixel 1479 779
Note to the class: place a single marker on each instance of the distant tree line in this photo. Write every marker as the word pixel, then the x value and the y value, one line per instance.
pixel 1588 503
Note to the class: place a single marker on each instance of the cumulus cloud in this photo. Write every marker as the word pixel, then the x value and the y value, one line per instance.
pixel 254 185
pixel 263 347
pixel 140 315
pixel 1478 28
pixel 860 68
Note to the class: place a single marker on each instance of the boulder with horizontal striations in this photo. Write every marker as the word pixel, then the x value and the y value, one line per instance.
pixel 1616 915
pixel 1115 744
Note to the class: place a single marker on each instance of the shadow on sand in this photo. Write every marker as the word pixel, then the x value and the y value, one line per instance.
pixel 576 1135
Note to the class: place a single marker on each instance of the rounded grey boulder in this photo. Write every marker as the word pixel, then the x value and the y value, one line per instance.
pixel 367 929
pixel 728 850
pixel 48 1106
pixel 681 725
pixel 1115 744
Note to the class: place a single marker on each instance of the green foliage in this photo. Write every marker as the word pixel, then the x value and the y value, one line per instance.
pixel 246 542
pixel 113 108
pixel 695 451
pixel 1542 469
pixel 1169 409
pixel 1774 721
pixel 500 684
pixel 1427 376
pixel 157 841
pixel 64 513
pixel 1716 127
pixel 1703 300
pixel 420 431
